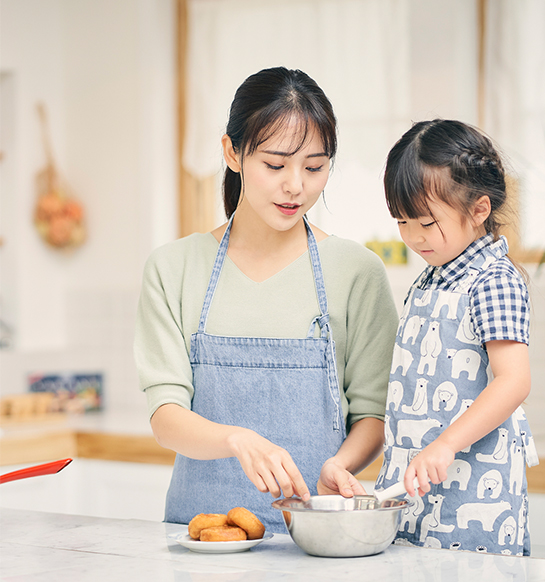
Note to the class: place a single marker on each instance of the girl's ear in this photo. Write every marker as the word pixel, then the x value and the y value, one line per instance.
pixel 481 210
pixel 230 156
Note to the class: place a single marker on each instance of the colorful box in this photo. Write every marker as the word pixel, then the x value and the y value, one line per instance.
pixel 73 392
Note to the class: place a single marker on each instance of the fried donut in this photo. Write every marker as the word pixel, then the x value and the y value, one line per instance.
pixel 204 520
pixel 223 533
pixel 247 521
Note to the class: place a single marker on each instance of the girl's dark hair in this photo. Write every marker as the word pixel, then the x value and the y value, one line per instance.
pixel 265 103
pixel 449 161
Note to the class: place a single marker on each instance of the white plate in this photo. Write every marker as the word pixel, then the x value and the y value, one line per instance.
pixel 219 547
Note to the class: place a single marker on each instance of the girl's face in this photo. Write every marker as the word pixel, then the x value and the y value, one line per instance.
pixel 279 187
pixel 440 238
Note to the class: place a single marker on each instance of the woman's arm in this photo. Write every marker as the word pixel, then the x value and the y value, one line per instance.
pixel 361 447
pixel 268 466
pixel 511 385
pixel 371 323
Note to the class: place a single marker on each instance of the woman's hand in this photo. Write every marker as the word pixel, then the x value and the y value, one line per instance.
pixel 360 448
pixel 429 465
pixel 268 466
pixel 335 480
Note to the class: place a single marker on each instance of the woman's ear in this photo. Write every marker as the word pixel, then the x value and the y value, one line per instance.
pixel 481 210
pixel 229 155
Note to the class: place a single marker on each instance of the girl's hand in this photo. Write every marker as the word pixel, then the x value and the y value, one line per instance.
pixel 269 467
pixel 335 479
pixel 429 465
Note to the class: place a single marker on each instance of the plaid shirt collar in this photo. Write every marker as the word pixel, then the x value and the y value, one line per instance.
pixel 458 266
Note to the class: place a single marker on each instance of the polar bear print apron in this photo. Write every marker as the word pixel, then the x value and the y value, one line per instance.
pixel 438 369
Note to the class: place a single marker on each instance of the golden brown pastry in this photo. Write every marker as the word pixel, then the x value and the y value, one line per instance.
pixel 223 533
pixel 246 520
pixel 204 520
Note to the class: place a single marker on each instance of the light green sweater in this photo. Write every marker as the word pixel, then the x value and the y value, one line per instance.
pixel 362 312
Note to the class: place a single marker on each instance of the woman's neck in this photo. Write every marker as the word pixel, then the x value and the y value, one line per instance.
pixel 261 251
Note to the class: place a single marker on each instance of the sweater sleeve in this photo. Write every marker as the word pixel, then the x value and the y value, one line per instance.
pixel 160 349
pixel 371 329
pixel 364 321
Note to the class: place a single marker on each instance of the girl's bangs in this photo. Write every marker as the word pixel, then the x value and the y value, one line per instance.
pixel 408 194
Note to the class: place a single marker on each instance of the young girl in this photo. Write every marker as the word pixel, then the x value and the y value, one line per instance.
pixel 235 328
pixel 460 367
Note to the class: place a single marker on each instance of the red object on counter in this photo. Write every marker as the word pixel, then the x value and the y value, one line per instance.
pixel 36 470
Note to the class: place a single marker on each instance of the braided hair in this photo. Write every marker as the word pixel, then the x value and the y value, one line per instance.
pixel 449 161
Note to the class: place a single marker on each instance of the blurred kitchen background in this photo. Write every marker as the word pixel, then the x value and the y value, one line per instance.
pixel 111 114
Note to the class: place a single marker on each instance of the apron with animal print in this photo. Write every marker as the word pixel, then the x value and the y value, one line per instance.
pixel 439 368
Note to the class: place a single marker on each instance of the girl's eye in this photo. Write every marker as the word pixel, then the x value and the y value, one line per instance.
pixel 318 169
pixel 428 224
pixel 271 167
pixel 401 222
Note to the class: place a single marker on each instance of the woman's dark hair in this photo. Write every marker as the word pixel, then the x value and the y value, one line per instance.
pixel 449 161
pixel 266 102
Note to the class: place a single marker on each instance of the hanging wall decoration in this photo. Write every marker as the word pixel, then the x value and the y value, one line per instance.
pixel 59 216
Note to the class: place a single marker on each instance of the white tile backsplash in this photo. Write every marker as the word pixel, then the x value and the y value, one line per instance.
pixel 100 334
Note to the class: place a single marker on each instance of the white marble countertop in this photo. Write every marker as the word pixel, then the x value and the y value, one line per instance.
pixel 51 547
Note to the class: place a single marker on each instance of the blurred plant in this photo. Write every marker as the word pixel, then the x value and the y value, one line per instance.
pixel 58 216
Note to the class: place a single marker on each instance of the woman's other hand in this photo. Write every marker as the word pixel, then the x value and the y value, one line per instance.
pixel 360 448
pixel 335 480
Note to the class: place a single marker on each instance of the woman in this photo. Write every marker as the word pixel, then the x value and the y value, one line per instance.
pixel 235 328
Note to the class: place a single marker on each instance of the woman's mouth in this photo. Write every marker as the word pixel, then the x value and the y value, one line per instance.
pixel 288 209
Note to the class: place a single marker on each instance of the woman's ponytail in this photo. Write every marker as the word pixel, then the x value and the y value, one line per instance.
pixel 232 186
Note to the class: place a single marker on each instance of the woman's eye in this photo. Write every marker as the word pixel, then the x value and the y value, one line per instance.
pixel 399 222
pixel 318 169
pixel 271 167
pixel 428 224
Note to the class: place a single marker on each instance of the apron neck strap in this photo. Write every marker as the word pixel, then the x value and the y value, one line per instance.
pixel 316 268
pixel 214 278
pixel 323 320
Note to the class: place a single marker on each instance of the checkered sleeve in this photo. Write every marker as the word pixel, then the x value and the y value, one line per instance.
pixel 500 305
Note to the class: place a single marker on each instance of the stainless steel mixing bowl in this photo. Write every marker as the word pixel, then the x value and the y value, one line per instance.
pixel 338 527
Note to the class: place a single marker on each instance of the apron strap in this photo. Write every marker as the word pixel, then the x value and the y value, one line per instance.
pixel 318 273
pixel 214 278
pixel 323 322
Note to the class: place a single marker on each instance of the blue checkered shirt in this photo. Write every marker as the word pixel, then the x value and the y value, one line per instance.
pixel 499 300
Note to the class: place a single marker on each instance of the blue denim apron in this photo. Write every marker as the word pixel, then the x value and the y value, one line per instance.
pixel 286 390
pixel 439 368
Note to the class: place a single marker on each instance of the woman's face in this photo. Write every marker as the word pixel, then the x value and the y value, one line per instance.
pixel 280 186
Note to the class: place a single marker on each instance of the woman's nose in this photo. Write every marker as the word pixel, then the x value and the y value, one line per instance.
pixel 294 183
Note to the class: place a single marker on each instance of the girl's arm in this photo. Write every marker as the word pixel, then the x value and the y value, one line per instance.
pixel 360 448
pixel 268 466
pixel 510 365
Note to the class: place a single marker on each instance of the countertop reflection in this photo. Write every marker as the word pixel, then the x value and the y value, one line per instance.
pixel 61 547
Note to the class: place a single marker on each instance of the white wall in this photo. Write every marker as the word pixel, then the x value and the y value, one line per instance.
pixel 105 72
pixel 35 73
